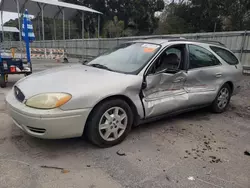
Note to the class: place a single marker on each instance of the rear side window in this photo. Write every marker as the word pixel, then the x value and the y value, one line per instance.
pixel 225 55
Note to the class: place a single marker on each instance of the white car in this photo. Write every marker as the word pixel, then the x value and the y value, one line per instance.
pixel 126 86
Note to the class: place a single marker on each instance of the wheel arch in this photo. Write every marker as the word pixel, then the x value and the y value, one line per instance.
pixel 214 105
pixel 121 97
pixel 231 85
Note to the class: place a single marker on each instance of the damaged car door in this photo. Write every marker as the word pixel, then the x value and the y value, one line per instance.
pixel 164 83
pixel 205 76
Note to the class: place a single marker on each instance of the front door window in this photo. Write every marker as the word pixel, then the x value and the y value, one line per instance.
pixel 172 60
pixel 165 82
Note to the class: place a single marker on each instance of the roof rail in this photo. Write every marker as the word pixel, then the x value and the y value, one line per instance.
pixel 212 42
pixel 163 37
pixel 201 41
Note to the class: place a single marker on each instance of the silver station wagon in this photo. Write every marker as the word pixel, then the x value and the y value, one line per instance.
pixel 135 82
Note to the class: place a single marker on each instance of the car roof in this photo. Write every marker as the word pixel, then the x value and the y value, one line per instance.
pixel 168 40
pixel 154 41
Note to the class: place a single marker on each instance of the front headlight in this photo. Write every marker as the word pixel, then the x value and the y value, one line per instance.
pixel 48 100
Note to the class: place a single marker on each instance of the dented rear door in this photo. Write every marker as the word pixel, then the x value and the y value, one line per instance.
pixel 205 76
pixel 203 84
pixel 165 93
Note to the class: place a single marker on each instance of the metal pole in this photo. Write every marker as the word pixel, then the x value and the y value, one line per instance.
pixel 54 22
pixel 39 28
pixel 69 28
pixel 64 45
pixel 215 27
pixel 88 32
pixel 83 30
pixel 243 45
pixel 98 28
pixel 10 37
pixel 43 33
pixel 2 29
pixel 63 25
pixel 98 35
pixel 19 25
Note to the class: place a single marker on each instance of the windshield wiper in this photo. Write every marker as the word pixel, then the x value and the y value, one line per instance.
pixel 100 66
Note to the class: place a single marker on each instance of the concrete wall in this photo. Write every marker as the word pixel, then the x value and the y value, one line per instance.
pixel 238 42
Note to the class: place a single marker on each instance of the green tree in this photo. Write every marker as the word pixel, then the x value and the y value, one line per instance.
pixel 236 12
pixel 114 28
pixel 139 12
pixel 205 16
pixel 173 19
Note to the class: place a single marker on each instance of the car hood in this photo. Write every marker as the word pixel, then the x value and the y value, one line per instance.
pixel 75 80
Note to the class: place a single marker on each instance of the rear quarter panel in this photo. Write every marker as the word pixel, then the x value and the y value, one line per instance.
pixel 231 73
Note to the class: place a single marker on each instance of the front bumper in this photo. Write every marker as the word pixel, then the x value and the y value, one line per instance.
pixel 47 124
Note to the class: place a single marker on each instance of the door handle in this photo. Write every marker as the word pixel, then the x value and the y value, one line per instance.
pixel 218 75
pixel 178 80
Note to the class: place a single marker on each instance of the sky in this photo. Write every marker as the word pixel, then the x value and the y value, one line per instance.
pixel 8 15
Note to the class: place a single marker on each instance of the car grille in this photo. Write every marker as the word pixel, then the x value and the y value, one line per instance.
pixel 19 94
pixel 36 130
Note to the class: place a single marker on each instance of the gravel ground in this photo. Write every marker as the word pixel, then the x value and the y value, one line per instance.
pixel 196 149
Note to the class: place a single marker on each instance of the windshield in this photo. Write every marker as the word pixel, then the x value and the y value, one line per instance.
pixel 126 58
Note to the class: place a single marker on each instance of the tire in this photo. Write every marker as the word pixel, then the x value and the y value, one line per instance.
pixel 220 105
pixel 104 114
pixel 3 84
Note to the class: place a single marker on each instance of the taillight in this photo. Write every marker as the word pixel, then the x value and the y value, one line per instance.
pixel 5 65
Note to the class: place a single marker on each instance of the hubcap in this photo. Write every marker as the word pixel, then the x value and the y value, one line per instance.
pixel 113 123
pixel 223 98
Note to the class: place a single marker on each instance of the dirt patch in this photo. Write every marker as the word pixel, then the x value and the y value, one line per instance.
pixel 240 110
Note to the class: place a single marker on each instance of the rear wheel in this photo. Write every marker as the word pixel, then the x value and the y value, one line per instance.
pixel 222 100
pixel 110 123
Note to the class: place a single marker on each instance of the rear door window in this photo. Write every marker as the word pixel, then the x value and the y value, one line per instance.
pixel 226 55
pixel 201 57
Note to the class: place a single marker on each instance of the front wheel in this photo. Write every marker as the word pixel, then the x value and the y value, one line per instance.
pixel 222 100
pixel 110 123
